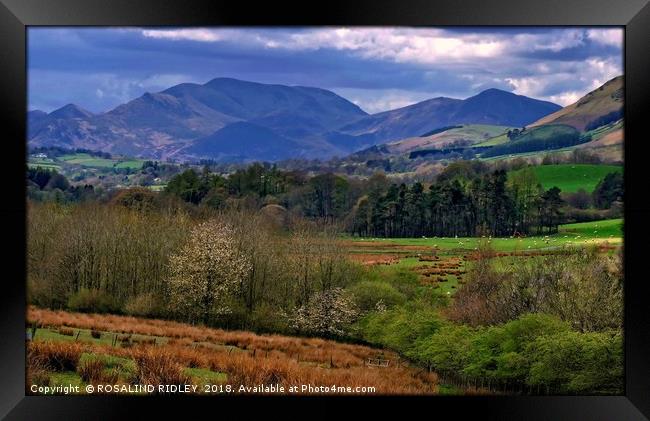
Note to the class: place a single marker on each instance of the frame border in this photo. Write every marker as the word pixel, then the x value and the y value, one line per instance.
pixel 634 15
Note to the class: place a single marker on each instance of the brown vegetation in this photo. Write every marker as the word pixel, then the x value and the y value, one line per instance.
pixel 59 356
pixel 93 371
pixel 246 358
pixel 370 259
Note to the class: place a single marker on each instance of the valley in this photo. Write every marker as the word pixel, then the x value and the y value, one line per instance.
pixel 240 237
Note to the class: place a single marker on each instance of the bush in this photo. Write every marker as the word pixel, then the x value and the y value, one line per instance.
pixel 92 301
pixel 57 356
pixel 368 294
pixel 581 363
pixel 65 331
pixel 143 305
pixel 136 198
pixel 581 287
pixel 157 366
pixel 94 371
pixel 400 327
pixel 447 350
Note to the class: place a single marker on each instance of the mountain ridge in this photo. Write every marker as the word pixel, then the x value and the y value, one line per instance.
pixel 182 121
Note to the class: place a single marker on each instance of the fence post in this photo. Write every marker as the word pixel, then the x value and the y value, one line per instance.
pixel 77 337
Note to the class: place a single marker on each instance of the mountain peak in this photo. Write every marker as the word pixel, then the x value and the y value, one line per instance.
pixel 494 92
pixel 70 111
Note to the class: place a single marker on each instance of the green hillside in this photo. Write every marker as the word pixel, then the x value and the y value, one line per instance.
pixel 595 229
pixel 86 160
pixel 572 177
pixel 472 133
pixel 555 136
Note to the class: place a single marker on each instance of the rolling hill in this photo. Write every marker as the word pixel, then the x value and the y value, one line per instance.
pixel 604 101
pixel 572 177
pixel 598 117
pixel 541 138
pixel 468 134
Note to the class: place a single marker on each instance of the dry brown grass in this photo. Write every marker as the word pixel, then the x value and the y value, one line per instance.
pixel 312 349
pixel 58 356
pixel 158 366
pixel 370 259
pixel 257 359
pixel 66 331
pixel 93 371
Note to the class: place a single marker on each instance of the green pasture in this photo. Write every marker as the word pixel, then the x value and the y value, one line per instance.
pixel 87 160
pixel 585 233
pixel 571 177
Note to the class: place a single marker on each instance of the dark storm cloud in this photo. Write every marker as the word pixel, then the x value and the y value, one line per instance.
pixel 378 68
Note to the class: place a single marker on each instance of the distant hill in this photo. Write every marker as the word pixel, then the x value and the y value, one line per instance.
pixel 190 121
pixel 161 124
pixel 466 135
pixel 252 142
pixel 490 107
pixel 70 111
pixel 542 138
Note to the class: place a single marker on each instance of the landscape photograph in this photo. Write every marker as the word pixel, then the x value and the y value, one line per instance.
pixel 324 211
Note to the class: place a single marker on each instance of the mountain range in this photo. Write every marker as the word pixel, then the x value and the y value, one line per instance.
pixel 230 119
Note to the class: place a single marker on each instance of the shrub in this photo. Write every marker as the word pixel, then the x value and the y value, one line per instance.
pixel 65 331
pixel 474 303
pixel 158 366
pixel 136 198
pixel 58 356
pixel 582 287
pixel 447 351
pixel 143 305
pixel 400 327
pixel 583 363
pixel 367 294
pixel 37 376
pixel 93 371
pixel 92 301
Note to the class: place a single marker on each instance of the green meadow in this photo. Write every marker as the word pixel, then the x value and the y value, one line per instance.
pixel 585 233
pixel 571 177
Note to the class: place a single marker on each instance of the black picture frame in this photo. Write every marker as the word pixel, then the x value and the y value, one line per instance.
pixel 16 15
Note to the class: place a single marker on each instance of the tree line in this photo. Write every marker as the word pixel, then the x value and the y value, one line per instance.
pixel 468 198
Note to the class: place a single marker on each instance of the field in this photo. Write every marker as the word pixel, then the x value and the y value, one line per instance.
pixel 572 177
pixel 440 262
pixel 474 133
pixel 49 165
pixel 497 140
pixel 585 233
pixel 82 349
pixel 86 160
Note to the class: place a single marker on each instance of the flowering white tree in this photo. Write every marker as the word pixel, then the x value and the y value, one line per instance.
pixel 327 313
pixel 205 270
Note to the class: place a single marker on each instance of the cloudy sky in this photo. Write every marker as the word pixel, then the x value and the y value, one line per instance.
pixel 378 68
